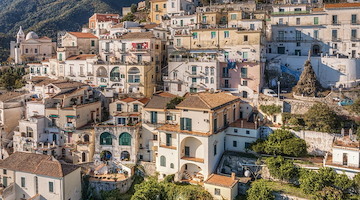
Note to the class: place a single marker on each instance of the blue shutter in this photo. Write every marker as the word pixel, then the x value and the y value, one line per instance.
pixel 182 124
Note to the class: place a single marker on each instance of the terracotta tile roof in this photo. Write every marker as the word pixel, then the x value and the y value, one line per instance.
pixel 127 100
pixel 83 35
pixel 36 164
pixel 46 82
pixel 176 128
pixel 342 5
pixel 150 26
pixel 67 93
pixel 138 35
pixel 120 25
pixel 81 57
pixel 160 100
pixel 68 84
pixel 206 100
pixel 219 180
pixel 144 100
pixel 9 95
pixel 317 9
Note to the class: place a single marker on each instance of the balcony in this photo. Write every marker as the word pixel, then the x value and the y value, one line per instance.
pixel 226 76
pixel 167 147
pixel 69 126
pixel 354 39
pixel 171 80
pixel 336 39
pixel 139 50
pixel 195 74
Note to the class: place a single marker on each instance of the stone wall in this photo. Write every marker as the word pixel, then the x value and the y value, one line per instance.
pixel 149 168
pixel 99 185
pixel 297 106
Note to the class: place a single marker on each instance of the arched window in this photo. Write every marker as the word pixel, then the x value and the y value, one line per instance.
pixel 212 80
pixel 162 161
pixel 86 138
pixel 115 74
pixel 125 139
pixel 134 75
pixel 206 80
pixel 172 165
pixel 101 72
pixel 105 138
pixel 212 71
pixel 83 157
pixel 206 70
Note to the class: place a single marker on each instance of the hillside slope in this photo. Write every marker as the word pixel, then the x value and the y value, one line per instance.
pixel 46 17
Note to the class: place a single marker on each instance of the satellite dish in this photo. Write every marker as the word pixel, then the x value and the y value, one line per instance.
pixel 247 173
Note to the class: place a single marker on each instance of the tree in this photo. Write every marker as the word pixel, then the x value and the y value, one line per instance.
pixel 321 118
pixel 356 180
pixel 310 181
pixel 133 8
pixel 294 147
pixel 343 182
pixel 128 17
pixel 355 107
pixel 148 190
pixel 329 193
pixel 282 169
pixel 270 110
pixel 174 102
pixel 327 175
pixel 260 191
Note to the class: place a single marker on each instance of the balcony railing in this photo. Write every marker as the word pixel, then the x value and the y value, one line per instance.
pixel 336 39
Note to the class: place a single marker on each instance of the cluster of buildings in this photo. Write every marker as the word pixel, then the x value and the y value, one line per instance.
pixel 175 93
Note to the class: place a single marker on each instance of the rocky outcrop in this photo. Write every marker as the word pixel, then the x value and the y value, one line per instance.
pixel 308 85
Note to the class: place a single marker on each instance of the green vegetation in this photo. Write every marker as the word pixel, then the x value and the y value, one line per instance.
pixel 282 169
pixel 320 117
pixel 260 191
pixel 285 188
pixel 270 109
pixel 134 8
pixel 355 108
pixel 174 102
pixel 329 193
pixel 152 189
pixel 128 17
pixel 11 77
pixel 281 142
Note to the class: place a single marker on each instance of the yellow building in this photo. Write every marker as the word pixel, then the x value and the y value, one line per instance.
pixel 157 10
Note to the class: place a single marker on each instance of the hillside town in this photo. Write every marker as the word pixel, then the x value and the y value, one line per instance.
pixel 182 99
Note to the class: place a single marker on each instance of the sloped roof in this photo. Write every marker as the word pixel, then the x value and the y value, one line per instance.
pixel 68 84
pixel 82 35
pixel 150 26
pixel 342 5
pixel 9 95
pixel 160 100
pixel 138 35
pixel 206 100
pixel 219 180
pixel 37 164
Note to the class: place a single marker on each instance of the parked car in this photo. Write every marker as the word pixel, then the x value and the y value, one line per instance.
pixel 269 92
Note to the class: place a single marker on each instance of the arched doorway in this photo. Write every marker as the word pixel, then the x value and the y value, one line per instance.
pixel 315 50
pixel 105 155
pixel 125 156
pixel 115 74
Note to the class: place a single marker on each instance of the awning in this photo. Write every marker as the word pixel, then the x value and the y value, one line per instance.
pixel 70 116
pixel 54 116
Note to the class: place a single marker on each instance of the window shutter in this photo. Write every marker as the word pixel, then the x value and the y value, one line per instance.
pixel 181 123
pixel 188 124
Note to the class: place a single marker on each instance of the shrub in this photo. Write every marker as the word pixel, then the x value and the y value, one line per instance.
pixel 282 169
pixel 260 191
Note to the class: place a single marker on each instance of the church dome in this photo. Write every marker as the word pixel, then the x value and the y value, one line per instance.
pixel 32 35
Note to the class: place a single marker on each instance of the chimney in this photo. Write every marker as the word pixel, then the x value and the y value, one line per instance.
pixel 233 177
pixel 242 123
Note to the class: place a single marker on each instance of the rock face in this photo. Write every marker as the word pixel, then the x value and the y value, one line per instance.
pixel 308 85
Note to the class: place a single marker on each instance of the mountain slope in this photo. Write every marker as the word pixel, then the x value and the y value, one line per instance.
pixel 46 17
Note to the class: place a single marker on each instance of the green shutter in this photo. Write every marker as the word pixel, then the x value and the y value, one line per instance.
pixel 188 124
pixel 316 20
pixel 182 124
pixel 51 187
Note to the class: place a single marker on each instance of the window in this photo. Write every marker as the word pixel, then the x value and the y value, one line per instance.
pixel 162 161
pixel 233 16
pixel 215 149
pixel 245 38
pixel 217 191
pixel 353 34
pixel 193 70
pixel 334 34
pixel 226 34
pixel 118 107
pixel 51 186
pixel 235 130
pixel 172 165
pixel 156 7
pixel 172 5
pixel 298 35
pixel 213 35
pixel 247 132
pixel 243 72
pixel 316 34
pixel 178 42
pixel 234 143
pixel 125 139
pixel 297 21
pixel 247 145
pixel 212 71
pixel 215 125
pixel 168 139
pixel 297 52
pixel 281 21
pixel 105 138
pixel 252 26
pixel 4 171
pixel 195 35
pixel 245 55
pixel 204 19
pixel 153 117
pixel 36 51
pixel 316 20
pixel 185 124
pixel 26 50
pixel 353 18
pixel 93 43
pixel 334 19
pixel 206 80
pixel 136 108
pixel 179 87
pixel 168 117
pixel 164 6
pixel 22 181
pixel 193 80
pixel 212 80
pixel 245 83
